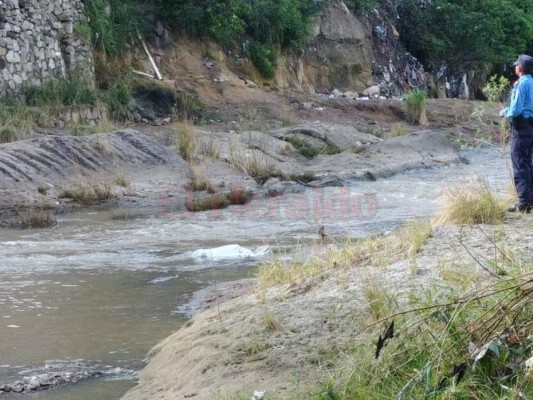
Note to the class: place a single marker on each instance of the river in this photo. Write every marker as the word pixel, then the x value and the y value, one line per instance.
pixel 95 293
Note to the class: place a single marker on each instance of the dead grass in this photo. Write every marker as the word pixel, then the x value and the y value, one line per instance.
pixel 200 183
pixel 214 202
pixel 121 180
pixel 253 164
pixel 87 194
pixel 239 196
pixel 475 204
pixel 376 252
pixel 30 220
pixel 416 234
pixel 210 149
pixel 236 196
pixel 270 322
pixel 186 142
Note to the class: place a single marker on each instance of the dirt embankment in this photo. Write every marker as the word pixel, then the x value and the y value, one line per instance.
pixel 281 341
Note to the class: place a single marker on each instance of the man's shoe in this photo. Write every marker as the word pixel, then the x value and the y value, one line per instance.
pixel 519 208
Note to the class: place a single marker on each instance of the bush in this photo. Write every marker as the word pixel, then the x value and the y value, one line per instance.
pixel 416 101
pixel 119 97
pixel 264 58
pixel 497 88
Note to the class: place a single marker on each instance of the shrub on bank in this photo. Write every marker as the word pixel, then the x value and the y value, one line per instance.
pixel 416 101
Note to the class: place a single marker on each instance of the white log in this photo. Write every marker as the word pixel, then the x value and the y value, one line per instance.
pixel 152 62
pixel 143 74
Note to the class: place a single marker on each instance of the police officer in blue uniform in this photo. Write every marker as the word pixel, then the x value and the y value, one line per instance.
pixel 520 113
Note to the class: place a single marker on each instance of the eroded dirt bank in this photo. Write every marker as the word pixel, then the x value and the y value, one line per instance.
pixel 280 340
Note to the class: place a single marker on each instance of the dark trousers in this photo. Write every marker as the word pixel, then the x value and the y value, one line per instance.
pixel 521 158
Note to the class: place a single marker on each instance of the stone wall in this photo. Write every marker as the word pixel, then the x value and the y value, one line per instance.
pixel 38 42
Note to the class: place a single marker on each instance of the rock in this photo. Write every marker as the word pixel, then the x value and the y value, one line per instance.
pixel 336 93
pixel 372 91
pixel 259 395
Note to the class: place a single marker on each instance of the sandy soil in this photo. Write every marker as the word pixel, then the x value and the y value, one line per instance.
pixel 228 349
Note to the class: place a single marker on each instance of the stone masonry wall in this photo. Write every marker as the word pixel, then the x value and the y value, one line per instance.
pixel 38 42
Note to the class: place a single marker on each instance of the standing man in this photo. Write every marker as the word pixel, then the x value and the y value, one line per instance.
pixel 520 112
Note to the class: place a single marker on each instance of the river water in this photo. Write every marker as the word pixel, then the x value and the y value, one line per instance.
pixel 98 293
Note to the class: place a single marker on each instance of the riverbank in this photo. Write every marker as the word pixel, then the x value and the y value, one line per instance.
pixel 160 167
pixel 290 338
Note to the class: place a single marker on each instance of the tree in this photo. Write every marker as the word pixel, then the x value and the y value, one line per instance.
pixel 467 33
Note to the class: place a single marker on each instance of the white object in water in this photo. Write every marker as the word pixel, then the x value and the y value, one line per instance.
pixel 229 251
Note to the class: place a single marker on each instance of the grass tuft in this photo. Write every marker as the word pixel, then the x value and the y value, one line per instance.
pixel 472 205
pixel 186 142
pixel 416 102
pixel 308 150
pixel 213 202
pixel 30 220
pixel 121 180
pixel 270 322
pixel 200 183
pixel 87 193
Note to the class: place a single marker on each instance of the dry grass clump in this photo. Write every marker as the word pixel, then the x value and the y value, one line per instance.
pixel 200 183
pixel 271 322
pixel 210 149
pixel 472 205
pixel 121 180
pixel 186 142
pixel 257 166
pixel 214 202
pixel 30 220
pixel 239 196
pixel 370 251
pixel 87 193
pixel 235 196
pixel 376 251
pixel 416 234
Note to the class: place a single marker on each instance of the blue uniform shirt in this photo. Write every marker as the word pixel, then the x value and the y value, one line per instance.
pixel 521 99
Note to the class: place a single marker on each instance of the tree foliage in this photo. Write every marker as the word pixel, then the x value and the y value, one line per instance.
pixel 265 24
pixel 466 33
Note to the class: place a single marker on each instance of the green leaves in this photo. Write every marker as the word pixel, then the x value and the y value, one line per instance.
pixel 467 33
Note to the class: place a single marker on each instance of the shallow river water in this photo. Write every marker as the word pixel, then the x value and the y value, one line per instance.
pixel 97 293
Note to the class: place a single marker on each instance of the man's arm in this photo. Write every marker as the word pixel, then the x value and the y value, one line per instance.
pixel 517 103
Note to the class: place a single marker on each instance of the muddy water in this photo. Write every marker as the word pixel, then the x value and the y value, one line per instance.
pixel 93 293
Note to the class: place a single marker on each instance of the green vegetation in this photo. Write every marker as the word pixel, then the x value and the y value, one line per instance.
pixel 308 150
pixel 360 5
pixel 61 92
pixel 466 33
pixel 115 23
pixel 262 25
pixel 200 183
pixel 449 346
pixel 416 101
pixel 497 88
